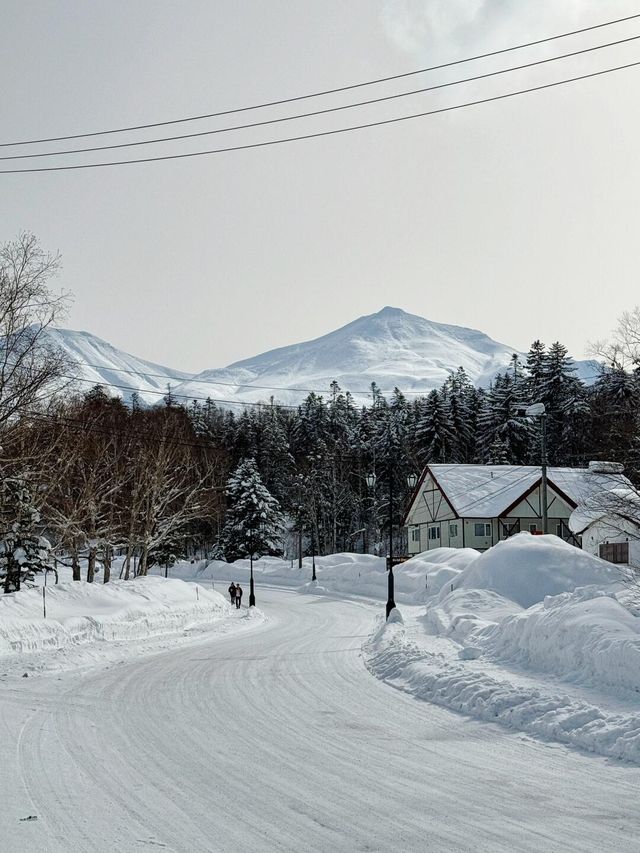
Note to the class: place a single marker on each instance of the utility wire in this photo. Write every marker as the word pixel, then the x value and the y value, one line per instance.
pixel 265 387
pixel 325 111
pixel 239 384
pixel 324 92
pixel 326 132
pixel 189 397
pixel 197 443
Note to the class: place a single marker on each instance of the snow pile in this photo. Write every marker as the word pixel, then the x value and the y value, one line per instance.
pixel 80 613
pixel 586 636
pixel 461 685
pixel 464 611
pixel 526 568
pixel 535 635
pixel 344 574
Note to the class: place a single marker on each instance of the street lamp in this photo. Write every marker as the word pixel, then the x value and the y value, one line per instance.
pixel 252 596
pixel 537 410
pixel 411 483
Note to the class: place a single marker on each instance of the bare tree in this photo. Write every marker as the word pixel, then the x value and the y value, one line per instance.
pixel 623 351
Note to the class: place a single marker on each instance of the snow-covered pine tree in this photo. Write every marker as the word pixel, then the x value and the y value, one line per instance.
pixel 457 391
pixel 433 429
pixel 254 522
pixel 275 462
pixel 504 432
pixel 535 366
pixel 166 554
pixel 23 551
pixel 568 413
pixel 615 404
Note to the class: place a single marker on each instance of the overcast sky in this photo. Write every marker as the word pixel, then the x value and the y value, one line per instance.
pixel 519 217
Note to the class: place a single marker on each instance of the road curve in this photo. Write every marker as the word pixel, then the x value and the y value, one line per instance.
pixel 278 739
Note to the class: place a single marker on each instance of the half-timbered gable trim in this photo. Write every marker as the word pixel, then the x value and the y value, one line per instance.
pixel 478 505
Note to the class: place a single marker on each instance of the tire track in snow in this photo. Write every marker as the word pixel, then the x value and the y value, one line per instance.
pixel 285 725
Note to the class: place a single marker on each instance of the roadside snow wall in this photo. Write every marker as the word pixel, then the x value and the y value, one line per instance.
pixel 80 612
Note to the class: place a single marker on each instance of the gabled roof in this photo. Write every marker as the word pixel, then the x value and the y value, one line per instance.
pixel 487 491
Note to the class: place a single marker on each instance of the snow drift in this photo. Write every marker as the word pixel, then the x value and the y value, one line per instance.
pixel 81 613
pixel 535 635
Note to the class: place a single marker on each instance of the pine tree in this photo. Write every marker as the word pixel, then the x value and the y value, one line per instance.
pixel 503 430
pixel 457 392
pixel 433 430
pixel 536 365
pixel 22 550
pixel 254 522
pixel 566 405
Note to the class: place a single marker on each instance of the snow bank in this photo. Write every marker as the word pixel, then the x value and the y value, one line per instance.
pixel 527 568
pixel 80 613
pixel 586 636
pixel 460 685
pixel 534 634
pixel 347 574
pixel 467 610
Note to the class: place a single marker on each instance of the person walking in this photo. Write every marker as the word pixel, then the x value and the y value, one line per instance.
pixel 238 595
pixel 232 593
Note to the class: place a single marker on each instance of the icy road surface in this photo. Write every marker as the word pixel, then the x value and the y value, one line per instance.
pixel 279 739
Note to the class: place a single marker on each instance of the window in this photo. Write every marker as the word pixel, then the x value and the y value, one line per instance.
pixel 559 530
pixel 533 528
pixel 434 533
pixel 482 529
pixel 453 530
pixel 615 552
pixel 415 535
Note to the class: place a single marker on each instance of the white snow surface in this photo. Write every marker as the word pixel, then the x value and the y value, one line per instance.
pixel 279 739
pixel 527 568
pixel 181 721
pixel 536 635
pixel 82 618
pixel 97 362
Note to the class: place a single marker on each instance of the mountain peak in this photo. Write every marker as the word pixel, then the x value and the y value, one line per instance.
pixel 390 311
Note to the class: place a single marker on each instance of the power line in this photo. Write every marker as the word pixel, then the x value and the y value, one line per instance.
pixel 236 384
pixel 198 443
pixel 325 111
pixel 189 397
pixel 168 376
pixel 324 92
pixel 319 134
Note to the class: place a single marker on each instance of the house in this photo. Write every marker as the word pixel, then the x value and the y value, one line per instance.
pixel 609 526
pixel 475 506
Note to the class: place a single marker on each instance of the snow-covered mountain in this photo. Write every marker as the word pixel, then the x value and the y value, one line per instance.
pixel 391 348
pixel 96 362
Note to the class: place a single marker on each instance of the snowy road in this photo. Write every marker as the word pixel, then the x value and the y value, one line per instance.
pixel 279 739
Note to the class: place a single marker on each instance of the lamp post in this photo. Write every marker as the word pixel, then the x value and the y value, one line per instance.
pixel 537 410
pixel 252 596
pixel 313 556
pixel 411 483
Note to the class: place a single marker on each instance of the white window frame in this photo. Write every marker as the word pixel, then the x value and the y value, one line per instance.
pixel 453 529
pixel 415 534
pixel 434 533
pixel 487 530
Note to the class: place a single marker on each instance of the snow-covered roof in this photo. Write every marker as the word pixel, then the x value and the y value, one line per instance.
pixel 622 510
pixel 486 491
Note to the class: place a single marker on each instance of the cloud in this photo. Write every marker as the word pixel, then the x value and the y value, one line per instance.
pixel 437 28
